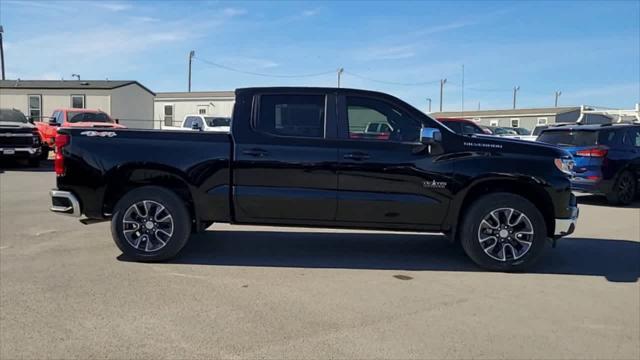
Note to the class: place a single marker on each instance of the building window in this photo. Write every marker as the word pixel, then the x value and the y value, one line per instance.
pixel 35 107
pixel 493 122
pixel 77 101
pixel 515 123
pixel 168 115
pixel 202 111
pixel 542 121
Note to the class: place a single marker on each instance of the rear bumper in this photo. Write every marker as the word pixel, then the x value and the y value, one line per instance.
pixel 65 202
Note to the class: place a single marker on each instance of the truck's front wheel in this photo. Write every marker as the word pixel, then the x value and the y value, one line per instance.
pixel 503 231
pixel 150 223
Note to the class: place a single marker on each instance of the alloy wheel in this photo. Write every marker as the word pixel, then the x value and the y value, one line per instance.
pixel 147 225
pixel 505 234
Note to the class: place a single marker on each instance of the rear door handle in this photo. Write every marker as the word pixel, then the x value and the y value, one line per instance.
pixel 255 152
pixel 357 156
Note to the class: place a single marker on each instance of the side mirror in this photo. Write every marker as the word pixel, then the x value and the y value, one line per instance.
pixel 430 136
pixel 53 122
pixel 117 121
pixel 30 119
pixel 196 126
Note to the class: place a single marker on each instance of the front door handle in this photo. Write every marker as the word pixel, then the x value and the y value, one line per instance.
pixel 255 152
pixel 357 156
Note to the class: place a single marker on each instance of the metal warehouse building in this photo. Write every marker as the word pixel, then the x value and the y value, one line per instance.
pixel 527 118
pixel 128 101
pixel 170 108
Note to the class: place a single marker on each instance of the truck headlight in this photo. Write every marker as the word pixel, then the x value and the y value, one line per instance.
pixel 565 165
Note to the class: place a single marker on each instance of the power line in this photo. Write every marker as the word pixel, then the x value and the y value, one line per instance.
pixel 392 82
pixel 262 74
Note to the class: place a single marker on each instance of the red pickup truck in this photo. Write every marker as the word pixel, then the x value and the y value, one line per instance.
pixel 68 118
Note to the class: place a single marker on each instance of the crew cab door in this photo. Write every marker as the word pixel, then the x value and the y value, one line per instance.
pixel 387 178
pixel 285 160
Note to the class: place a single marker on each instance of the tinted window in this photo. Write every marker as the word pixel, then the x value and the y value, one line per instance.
pixel 568 138
pixel 468 129
pixel 75 117
pixel 391 123
pixel 292 115
pixel 12 116
pixel 610 137
pixel 539 129
pixel 635 136
pixel 455 126
pixel 218 121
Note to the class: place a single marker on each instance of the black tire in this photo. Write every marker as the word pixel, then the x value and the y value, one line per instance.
pixel 180 221
pixel 624 189
pixel 44 155
pixel 470 232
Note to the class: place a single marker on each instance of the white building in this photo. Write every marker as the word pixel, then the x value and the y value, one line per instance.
pixel 170 108
pixel 128 101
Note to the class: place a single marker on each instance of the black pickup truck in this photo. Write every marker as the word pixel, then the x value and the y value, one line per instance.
pixel 300 157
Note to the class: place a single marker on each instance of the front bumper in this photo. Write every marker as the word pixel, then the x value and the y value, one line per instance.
pixel 65 202
pixel 20 151
pixel 567 226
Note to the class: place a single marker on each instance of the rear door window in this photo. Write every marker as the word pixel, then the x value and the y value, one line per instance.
pixel 569 138
pixel 610 138
pixel 292 115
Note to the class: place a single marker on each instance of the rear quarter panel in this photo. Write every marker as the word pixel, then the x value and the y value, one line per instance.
pixel 97 163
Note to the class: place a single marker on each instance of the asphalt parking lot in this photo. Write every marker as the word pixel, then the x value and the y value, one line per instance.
pixel 257 292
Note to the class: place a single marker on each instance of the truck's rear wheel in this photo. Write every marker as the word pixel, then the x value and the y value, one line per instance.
pixel 504 232
pixel 150 223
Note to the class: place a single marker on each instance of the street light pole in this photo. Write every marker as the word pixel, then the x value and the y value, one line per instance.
pixel 558 93
pixel 442 82
pixel 515 91
pixel 429 100
pixel 192 53
pixel 340 71
pixel 76 76
pixel 2 52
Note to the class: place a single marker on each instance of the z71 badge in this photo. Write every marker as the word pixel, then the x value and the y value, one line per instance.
pixel 98 133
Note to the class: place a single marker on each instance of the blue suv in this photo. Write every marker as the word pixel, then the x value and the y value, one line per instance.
pixel 607 158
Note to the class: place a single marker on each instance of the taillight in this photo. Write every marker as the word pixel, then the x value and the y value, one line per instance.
pixel 61 141
pixel 592 152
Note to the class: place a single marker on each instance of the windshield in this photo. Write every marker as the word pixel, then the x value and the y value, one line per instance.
pixel 521 131
pixel 503 131
pixel 568 138
pixel 218 121
pixel 12 116
pixel 538 129
pixel 76 116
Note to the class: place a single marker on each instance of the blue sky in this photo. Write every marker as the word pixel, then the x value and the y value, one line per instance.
pixel 588 50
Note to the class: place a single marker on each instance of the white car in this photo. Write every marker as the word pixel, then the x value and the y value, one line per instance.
pixel 203 123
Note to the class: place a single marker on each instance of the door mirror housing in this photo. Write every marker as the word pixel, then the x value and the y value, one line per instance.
pixel 53 122
pixel 196 126
pixel 430 136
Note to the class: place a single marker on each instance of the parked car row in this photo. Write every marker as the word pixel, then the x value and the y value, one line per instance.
pixel 607 157
pixel 14 127
pixel 203 123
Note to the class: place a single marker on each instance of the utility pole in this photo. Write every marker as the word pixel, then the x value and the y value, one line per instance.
pixel 463 89
pixel 558 93
pixel 515 91
pixel 478 105
pixel 2 52
pixel 340 71
pixel 442 82
pixel 192 53
pixel 76 76
pixel 429 100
